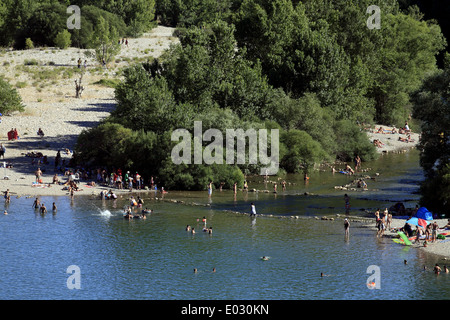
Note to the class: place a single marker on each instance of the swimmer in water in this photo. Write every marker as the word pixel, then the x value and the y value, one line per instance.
pixel 7 196
pixel 36 204
pixel 437 269
pixel 43 209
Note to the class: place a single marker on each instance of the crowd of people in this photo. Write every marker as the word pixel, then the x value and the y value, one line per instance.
pixel 383 221
pixel 65 174
pixel 404 130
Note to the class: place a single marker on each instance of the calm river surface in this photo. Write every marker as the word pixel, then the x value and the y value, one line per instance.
pixel 155 258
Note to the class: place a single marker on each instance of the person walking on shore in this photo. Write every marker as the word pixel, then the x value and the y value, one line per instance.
pixel 38 174
pixel 434 228
pixel 2 151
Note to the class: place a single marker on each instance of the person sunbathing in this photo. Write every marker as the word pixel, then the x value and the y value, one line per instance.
pixel 407 139
pixel 378 143
pixel 447 226
pixel 380 130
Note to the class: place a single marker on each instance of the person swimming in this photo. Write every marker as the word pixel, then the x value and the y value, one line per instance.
pixel 128 213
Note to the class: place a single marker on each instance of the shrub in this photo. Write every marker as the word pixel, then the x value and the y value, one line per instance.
pixel 10 100
pixel 29 44
pixel 32 62
pixel 351 142
pixel 62 39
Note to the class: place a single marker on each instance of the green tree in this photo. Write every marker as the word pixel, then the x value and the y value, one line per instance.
pixel 294 56
pixel 432 107
pixel 138 15
pixel 188 13
pixel 104 145
pixel 10 99
pixel 206 70
pixel 16 14
pixel 407 56
pixel 306 114
pixel 351 141
pixel 46 21
pixel 89 19
pixel 302 151
pixel 146 102
pixel 105 41
pixel 62 39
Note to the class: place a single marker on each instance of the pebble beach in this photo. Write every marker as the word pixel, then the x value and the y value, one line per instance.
pixel 50 104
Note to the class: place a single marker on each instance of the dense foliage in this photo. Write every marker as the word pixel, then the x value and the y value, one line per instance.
pixel 10 99
pixel 310 68
pixel 432 107
pixel 43 20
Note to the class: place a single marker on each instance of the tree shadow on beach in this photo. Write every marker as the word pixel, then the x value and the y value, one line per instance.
pixel 85 124
pixel 48 146
pixel 100 107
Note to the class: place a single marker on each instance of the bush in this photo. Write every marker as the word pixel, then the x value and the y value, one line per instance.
pixel 228 174
pixel 302 151
pixel 350 142
pixel 62 39
pixel 105 145
pixel 32 62
pixel 29 44
pixel 10 100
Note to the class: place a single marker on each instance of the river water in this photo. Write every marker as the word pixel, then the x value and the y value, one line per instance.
pixel 154 258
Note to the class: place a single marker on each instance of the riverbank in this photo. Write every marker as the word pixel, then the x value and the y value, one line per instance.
pixel 390 140
pixel 440 247
pixel 44 78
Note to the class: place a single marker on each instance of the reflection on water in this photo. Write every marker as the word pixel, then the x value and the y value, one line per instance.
pixel 155 258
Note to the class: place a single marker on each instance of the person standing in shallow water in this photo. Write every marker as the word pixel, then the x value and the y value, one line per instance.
pixel 253 210
pixel 347 203
pixel 346 227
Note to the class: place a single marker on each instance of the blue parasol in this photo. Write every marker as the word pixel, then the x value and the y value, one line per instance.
pixel 418 222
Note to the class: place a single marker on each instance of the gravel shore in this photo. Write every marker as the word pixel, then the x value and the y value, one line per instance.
pixel 440 247
pixel 390 141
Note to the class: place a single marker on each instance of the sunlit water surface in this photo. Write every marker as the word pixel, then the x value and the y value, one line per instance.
pixel 155 258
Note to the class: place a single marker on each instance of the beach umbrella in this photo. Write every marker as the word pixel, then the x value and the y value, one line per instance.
pixel 418 222
pixel 423 213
